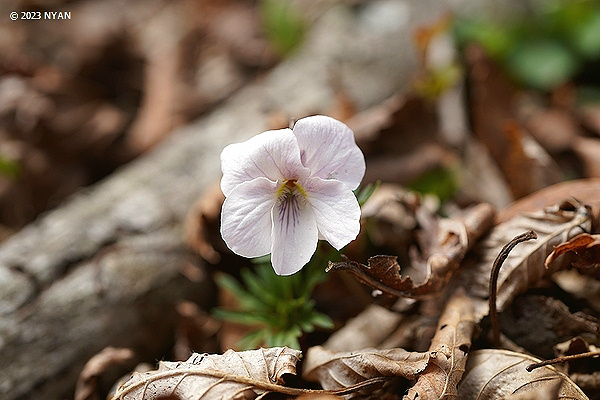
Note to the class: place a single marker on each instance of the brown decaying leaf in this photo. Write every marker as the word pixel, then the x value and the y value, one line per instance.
pixel 87 381
pixel 497 374
pixel 587 248
pixel 204 376
pixel 449 349
pixel 493 97
pixel 539 322
pixel 444 244
pixel 586 191
pixel 588 149
pixel 338 370
pixel 202 222
pixel 548 392
pixel 524 265
pixel 584 372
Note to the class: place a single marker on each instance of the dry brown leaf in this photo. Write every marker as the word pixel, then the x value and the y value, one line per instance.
pixel 554 128
pixel 201 224
pixel 444 244
pixel 338 370
pixel 207 377
pixel 524 266
pixel 587 248
pixel 588 149
pixel 449 349
pixel 87 381
pixel 492 97
pixel 537 323
pixel 497 374
pixel 368 329
pixel 586 191
pixel 548 392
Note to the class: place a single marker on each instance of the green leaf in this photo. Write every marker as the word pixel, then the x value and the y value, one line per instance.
pixel 283 25
pixel 441 181
pixel 496 40
pixel 362 195
pixel 230 284
pixel 542 63
pixel 253 340
pixel 9 168
pixel 321 320
pixel 241 317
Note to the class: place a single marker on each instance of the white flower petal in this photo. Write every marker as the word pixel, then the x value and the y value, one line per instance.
pixel 246 217
pixel 294 235
pixel 336 210
pixel 273 154
pixel 328 149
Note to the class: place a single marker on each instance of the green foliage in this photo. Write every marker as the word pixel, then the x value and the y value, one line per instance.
pixel 441 181
pixel 362 195
pixel 280 307
pixel 283 25
pixel 542 50
pixel 9 168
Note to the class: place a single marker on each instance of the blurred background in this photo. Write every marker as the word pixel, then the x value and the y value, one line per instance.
pixel 464 101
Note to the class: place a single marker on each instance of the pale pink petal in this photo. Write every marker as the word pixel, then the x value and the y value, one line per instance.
pixel 273 154
pixel 246 217
pixel 294 235
pixel 336 210
pixel 328 149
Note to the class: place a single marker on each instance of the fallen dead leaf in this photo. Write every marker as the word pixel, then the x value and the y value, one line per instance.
pixel 497 374
pixel 587 191
pixel 443 243
pixel 537 323
pixel 201 224
pixel 338 370
pixel 524 265
pixel 368 329
pixel 587 249
pixel 493 98
pixel 214 376
pixel 449 350
pixel 548 392
pixel 588 150
pixel 87 381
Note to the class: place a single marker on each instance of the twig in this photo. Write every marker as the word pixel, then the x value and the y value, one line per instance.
pixel 589 354
pixel 502 256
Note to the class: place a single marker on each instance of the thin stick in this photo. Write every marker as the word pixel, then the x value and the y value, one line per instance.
pixel 557 360
pixel 502 256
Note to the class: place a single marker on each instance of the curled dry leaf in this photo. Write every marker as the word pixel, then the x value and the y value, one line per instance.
pixel 537 323
pixel 337 370
pixel 207 377
pixel 548 392
pixel 444 244
pixel 87 381
pixel 587 191
pixel 524 266
pixel 498 374
pixel 587 249
pixel 449 349
pixel 202 224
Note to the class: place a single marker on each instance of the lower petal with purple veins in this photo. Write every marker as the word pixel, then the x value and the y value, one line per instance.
pixel 294 231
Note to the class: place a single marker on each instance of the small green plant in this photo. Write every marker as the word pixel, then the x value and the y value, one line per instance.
pixel 280 307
